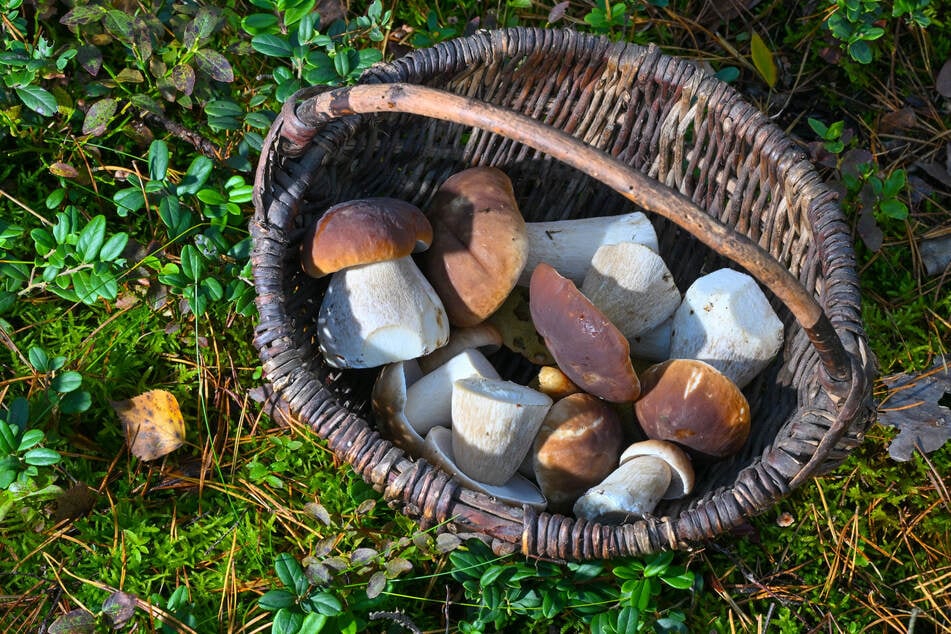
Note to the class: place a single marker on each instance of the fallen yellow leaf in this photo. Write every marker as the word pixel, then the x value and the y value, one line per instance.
pixel 153 424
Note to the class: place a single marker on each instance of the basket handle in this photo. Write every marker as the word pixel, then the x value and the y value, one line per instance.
pixel 315 111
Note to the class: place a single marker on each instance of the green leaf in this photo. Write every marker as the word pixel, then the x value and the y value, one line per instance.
pixel 91 239
pixel 183 78
pixel 258 23
pixel 818 127
pixel 215 65
pixel 200 27
pixel 293 14
pixel 8 438
pixel 271 45
pixel 129 199
pixel 325 603
pixel 659 563
pixel 313 623
pixel 291 573
pixel 193 267
pixel 41 457
pixel 75 402
pixel 287 622
pixel 38 100
pixel 83 14
pixel 861 52
pixel 158 160
pixel 763 59
pixel 276 600
pixel 894 208
pixel 39 359
pixel 66 382
pixel 113 247
pixel 30 439
pixel 43 241
pixel 683 581
pixel 628 619
pixel 198 172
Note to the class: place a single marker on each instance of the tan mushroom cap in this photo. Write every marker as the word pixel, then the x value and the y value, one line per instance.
pixel 587 347
pixel 681 468
pixel 691 403
pixel 362 232
pixel 576 447
pixel 479 244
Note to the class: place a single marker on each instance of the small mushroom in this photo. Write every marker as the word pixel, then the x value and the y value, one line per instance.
pixel 553 382
pixel 484 337
pixel 516 491
pixel 479 245
pixel 378 308
pixel 378 313
pixel 429 400
pixel 577 446
pixel 726 320
pixel 388 399
pixel 585 344
pixel 632 286
pixel 493 425
pixel 693 404
pixel 649 471
pixel 569 245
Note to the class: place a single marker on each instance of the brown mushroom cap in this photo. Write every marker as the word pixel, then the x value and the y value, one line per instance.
pixel 364 231
pixel 576 447
pixel 587 347
pixel 691 403
pixel 479 244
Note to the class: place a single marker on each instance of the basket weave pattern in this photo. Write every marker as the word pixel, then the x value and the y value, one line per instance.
pixel 660 115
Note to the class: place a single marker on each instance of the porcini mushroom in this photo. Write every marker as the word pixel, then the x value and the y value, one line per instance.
pixel 690 402
pixel 388 399
pixel 569 245
pixel 632 286
pixel 649 471
pixel 516 491
pixel 585 344
pixel 479 244
pixel 429 400
pixel 378 307
pixel 726 320
pixel 576 447
pixel 493 425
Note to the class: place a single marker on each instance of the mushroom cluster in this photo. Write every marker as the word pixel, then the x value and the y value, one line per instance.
pixel 623 355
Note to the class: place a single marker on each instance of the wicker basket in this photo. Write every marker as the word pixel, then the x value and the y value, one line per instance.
pixel 726 188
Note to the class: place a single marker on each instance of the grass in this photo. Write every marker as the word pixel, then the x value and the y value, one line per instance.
pixel 197 541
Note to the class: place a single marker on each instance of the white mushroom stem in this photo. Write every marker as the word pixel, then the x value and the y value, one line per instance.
pixel 632 491
pixel 653 345
pixel 569 245
pixel 379 313
pixel 493 425
pixel 485 337
pixel 632 286
pixel 429 400
pixel 726 320
pixel 389 404
pixel 649 471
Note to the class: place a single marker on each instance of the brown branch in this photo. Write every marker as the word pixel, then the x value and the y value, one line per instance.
pixel 199 142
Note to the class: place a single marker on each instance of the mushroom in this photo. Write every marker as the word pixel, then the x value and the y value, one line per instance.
pixel 378 308
pixel 569 245
pixel 388 399
pixel 484 337
pixel 693 404
pixel 653 345
pixel 479 245
pixel 726 320
pixel 516 491
pixel 378 313
pixel 429 400
pixel 493 425
pixel 632 286
pixel 585 344
pixel 576 447
pixel 649 471
pixel 553 382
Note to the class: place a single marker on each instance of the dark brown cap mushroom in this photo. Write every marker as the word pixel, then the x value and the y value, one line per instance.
pixel 587 347
pixel 479 244
pixel 364 231
pixel 576 447
pixel 691 403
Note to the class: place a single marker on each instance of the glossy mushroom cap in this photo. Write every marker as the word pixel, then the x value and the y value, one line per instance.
pixel 479 244
pixel 576 447
pixel 364 231
pixel 691 403
pixel 587 347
